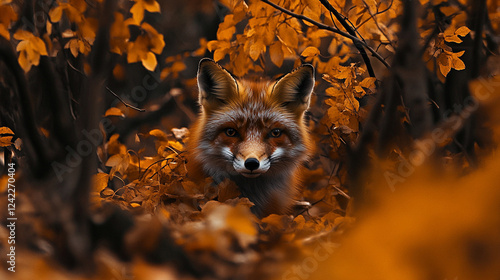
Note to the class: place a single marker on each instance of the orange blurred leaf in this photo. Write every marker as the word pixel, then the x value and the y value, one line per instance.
pixel 5 141
pixel 100 181
pixel 114 112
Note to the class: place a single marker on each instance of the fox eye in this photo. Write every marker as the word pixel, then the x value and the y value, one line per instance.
pixel 231 132
pixel 276 133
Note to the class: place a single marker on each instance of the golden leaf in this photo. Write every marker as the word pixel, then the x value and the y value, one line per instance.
pixel 212 45
pixel 203 47
pixel 156 42
pixel 72 45
pixel 288 36
pixel 30 48
pixel 462 31
pixel 225 34
pixel 6 130
pixel 176 145
pixel 220 54
pixel 444 63
pixel 458 54
pixel 114 112
pixel 114 160
pixel 310 51
pixel 100 181
pixel 7 14
pixel 276 54
pixel 151 6
pixel 162 136
pixel 137 12
pixel 333 113
pixel 178 66
pixel 5 141
pixel 55 14
pixel 453 38
pixel 149 62
pixel 241 221
pixel 119 34
pixel 256 49
pixel 457 63
pixel 314 15
pixel 4 32
pixel 22 35
pixel 368 82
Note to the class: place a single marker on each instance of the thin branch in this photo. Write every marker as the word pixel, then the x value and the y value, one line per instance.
pixel 376 22
pixel 383 11
pixel 352 31
pixel 329 28
pixel 109 90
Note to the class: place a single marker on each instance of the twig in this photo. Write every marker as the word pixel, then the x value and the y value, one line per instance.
pixel 109 90
pixel 329 28
pixel 352 31
pixel 376 22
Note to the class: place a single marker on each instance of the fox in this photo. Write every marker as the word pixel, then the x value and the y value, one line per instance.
pixel 253 132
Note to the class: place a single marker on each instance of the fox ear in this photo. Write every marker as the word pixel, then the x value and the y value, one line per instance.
pixel 293 91
pixel 217 86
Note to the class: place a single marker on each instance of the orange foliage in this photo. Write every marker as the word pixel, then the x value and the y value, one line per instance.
pixel 428 228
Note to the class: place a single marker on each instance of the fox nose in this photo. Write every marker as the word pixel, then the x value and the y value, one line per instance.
pixel 252 164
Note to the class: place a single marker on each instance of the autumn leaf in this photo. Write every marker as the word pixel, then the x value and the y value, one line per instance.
pixel 220 48
pixel 4 32
pixel 77 46
pixel 74 10
pixel 456 62
pixel 276 54
pixel 451 35
pixel 56 13
pixel 226 28
pixel 145 47
pixel 5 141
pixel 203 47
pixel 462 31
pixel 160 134
pixel 100 181
pixel 256 49
pixel 140 6
pixel 310 51
pixel 30 48
pixel 114 112
pixel 448 60
pixel 288 36
pixel 7 16
pixel 241 221
pixel 6 130
pixel 368 82
pixel 118 163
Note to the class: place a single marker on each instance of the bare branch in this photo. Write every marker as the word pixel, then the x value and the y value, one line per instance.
pixel 108 89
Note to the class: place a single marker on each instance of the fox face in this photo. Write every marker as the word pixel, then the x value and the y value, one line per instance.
pixel 252 132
